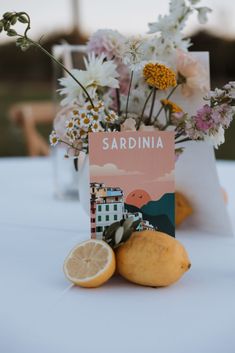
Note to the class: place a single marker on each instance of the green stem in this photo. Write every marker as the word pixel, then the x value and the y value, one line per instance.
pixel 169 95
pixel 28 25
pixel 60 64
pixel 166 117
pixel 179 134
pixel 75 162
pixel 69 144
pixel 129 90
pixel 25 36
pixel 118 101
pixel 64 68
pixel 152 106
pixel 183 140
pixel 146 102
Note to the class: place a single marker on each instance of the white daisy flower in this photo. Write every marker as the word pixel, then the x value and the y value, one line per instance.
pixel 97 109
pixel 83 134
pixel 54 138
pixel 70 136
pixel 69 124
pixel 86 122
pixel 96 127
pixel 75 113
pixel 77 122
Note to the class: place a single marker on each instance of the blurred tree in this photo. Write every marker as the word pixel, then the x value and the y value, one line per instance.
pixel 75 15
pixel 33 66
pixel 77 30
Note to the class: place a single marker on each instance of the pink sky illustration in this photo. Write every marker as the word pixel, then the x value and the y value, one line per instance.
pixel 130 169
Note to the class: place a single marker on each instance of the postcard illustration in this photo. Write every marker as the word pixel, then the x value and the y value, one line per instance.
pixel 132 176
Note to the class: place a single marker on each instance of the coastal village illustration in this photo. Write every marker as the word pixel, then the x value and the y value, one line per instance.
pixel 107 207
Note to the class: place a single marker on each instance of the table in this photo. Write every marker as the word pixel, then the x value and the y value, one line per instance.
pixel 41 313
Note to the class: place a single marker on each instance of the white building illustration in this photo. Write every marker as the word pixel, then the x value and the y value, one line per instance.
pixel 107 207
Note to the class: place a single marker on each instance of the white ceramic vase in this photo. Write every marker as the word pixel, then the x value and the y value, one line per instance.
pixel 83 183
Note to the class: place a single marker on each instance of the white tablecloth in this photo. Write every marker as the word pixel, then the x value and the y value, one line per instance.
pixel 41 313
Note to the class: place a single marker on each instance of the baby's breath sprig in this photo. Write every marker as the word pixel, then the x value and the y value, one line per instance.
pixel 8 21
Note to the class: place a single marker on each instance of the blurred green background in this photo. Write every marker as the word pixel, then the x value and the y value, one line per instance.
pixel 29 76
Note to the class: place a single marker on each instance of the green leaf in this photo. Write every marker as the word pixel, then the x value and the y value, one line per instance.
pixel 23 19
pixel 127 223
pixel 20 42
pixel 13 20
pixel 11 33
pixel 24 47
pixel 110 231
pixel 7 15
pixel 136 224
pixel 1 26
pixel 6 26
pixel 118 235
pixel 127 235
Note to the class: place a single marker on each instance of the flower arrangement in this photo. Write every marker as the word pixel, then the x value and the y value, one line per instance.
pixel 128 83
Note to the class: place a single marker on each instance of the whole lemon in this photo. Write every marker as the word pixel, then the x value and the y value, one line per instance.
pixel 183 208
pixel 152 258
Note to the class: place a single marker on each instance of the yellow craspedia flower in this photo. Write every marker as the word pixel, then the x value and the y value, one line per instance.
pixel 159 76
pixel 173 106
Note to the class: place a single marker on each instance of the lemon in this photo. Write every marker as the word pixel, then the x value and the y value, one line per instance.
pixel 183 209
pixel 152 258
pixel 90 264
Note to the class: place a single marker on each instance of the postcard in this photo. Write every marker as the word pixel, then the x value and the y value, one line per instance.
pixel 132 176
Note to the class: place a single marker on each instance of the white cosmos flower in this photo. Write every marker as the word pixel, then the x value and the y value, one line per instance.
pixel 100 72
pixel 72 91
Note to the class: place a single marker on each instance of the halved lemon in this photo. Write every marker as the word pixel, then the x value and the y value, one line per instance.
pixel 90 264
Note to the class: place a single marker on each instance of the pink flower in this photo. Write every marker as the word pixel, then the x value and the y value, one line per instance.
pixel 204 118
pixel 196 78
pixel 223 114
pixel 178 118
pixel 211 118
pixel 108 42
pixel 111 43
